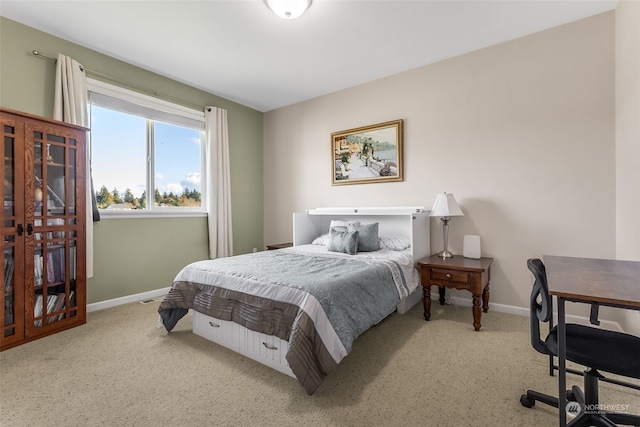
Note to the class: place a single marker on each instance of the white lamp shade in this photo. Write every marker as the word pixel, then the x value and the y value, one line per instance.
pixel 446 206
pixel 288 9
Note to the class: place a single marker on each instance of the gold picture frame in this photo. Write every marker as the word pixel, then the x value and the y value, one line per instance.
pixel 368 154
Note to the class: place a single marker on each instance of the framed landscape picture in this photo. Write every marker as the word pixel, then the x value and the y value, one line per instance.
pixel 367 154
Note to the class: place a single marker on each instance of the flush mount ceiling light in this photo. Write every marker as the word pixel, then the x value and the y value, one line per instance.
pixel 288 9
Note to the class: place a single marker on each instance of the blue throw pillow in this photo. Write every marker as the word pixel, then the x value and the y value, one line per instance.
pixel 343 240
pixel 368 237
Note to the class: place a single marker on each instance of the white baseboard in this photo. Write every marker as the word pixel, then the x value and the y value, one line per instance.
pixel 521 311
pixel 127 299
pixel 456 301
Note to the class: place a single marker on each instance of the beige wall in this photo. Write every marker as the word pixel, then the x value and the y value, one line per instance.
pixel 139 255
pixel 522 133
pixel 628 138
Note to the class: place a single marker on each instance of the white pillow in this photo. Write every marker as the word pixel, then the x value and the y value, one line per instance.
pixel 321 240
pixel 339 223
pixel 395 243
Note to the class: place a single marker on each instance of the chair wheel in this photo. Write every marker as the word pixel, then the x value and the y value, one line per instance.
pixel 527 402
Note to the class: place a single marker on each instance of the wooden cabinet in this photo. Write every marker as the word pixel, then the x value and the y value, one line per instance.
pixel 43 227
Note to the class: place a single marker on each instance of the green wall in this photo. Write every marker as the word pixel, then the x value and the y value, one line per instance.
pixel 139 255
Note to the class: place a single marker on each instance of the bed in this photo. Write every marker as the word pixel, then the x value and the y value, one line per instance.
pixel 299 309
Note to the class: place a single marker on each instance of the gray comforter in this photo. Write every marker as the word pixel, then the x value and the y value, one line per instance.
pixel 319 302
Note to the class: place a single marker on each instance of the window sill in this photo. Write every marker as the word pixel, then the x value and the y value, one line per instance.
pixel 108 215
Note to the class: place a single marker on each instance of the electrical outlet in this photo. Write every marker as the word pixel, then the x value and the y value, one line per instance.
pixel 255 249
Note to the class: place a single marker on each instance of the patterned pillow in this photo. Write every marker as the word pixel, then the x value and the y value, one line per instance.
pixel 368 236
pixel 321 240
pixel 395 243
pixel 343 240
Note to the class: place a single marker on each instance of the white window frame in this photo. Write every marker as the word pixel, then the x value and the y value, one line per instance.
pixel 161 110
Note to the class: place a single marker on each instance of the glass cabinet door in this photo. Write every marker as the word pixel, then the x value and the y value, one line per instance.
pixel 55 229
pixel 13 232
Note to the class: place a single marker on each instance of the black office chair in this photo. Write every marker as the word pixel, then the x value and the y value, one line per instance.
pixel 596 349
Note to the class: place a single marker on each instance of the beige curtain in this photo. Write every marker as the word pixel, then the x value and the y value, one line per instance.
pixel 71 106
pixel 218 184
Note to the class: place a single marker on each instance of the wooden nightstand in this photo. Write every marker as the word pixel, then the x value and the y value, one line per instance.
pixel 279 246
pixel 459 273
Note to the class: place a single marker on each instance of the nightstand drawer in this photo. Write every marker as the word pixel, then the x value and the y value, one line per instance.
pixel 452 276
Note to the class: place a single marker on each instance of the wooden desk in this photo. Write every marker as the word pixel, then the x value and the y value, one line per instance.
pixel 460 273
pixel 279 246
pixel 607 282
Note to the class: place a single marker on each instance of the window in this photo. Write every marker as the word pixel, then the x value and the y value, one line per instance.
pixel 147 154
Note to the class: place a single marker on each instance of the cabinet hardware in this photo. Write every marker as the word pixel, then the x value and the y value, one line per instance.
pixel 269 347
pixel 214 325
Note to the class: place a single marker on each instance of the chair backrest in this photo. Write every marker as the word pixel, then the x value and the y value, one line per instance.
pixel 541 303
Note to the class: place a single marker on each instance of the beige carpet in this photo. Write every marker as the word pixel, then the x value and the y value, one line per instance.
pixel 120 370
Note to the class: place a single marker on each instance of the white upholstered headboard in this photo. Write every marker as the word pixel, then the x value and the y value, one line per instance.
pixel 409 222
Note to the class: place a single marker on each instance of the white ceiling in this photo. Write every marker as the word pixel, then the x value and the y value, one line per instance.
pixel 239 50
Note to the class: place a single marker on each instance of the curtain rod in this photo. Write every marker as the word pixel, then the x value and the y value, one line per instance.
pixel 155 94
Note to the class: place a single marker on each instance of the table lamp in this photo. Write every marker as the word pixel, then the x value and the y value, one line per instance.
pixel 445 207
